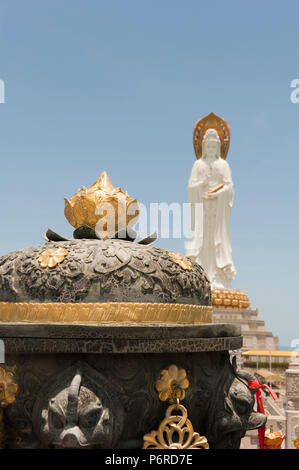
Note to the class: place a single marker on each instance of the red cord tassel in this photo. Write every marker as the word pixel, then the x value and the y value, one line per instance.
pixel 255 384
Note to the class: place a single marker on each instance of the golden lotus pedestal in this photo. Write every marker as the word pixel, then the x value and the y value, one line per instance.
pixel 233 306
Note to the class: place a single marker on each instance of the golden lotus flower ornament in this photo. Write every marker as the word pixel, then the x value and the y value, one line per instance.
pixel 176 430
pixel 172 384
pixel 50 258
pixel 8 388
pixel 103 207
pixel 181 260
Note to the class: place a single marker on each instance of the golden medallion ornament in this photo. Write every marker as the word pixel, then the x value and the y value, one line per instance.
pixel 296 443
pixel 50 258
pixel 211 121
pixel 181 260
pixel 176 430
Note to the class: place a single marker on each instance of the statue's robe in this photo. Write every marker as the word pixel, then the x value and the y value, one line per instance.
pixel 209 242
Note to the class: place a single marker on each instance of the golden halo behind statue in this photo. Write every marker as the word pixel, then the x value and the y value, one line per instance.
pixel 215 122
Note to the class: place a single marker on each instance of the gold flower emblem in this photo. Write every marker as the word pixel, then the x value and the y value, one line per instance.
pixel 50 258
pixel 8 388
pixel 172 384
pixel 181 260
pixel 296 443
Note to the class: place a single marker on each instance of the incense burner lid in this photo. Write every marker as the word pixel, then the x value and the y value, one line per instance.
pixel 90 270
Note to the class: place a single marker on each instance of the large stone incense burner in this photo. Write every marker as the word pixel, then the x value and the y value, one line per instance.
pixel 103 331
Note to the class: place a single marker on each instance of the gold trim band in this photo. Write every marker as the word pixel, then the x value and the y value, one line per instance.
pixel 104 312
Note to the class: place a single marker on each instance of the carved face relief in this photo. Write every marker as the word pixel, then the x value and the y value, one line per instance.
pixel 79 411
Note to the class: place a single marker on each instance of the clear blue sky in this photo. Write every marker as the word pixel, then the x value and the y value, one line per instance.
pixel 94 85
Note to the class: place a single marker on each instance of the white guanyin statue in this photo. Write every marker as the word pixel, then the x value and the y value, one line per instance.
pixel 211 193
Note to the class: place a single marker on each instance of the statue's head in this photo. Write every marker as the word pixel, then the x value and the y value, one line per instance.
pixel 211 144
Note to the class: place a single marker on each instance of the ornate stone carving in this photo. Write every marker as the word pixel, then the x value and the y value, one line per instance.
pixel 219 403
pixel 292 385
pixel 79 408
pixel 228 422
pixel 101 271
pixel 24 338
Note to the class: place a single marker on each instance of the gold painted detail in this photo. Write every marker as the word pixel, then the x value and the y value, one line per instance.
pixel 222 298
pixel 50 258
pixel 8 388
pixel 103 207
pixel 296 443
pixel 8 391
pixel 175 432
pixel 104 312
pixel 172 384
pixel 211 121
pixel 181 260
pixel 273 440
pixel 217 188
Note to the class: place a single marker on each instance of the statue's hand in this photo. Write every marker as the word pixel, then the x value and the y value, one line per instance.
pixel 215 194
pixel 210 196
